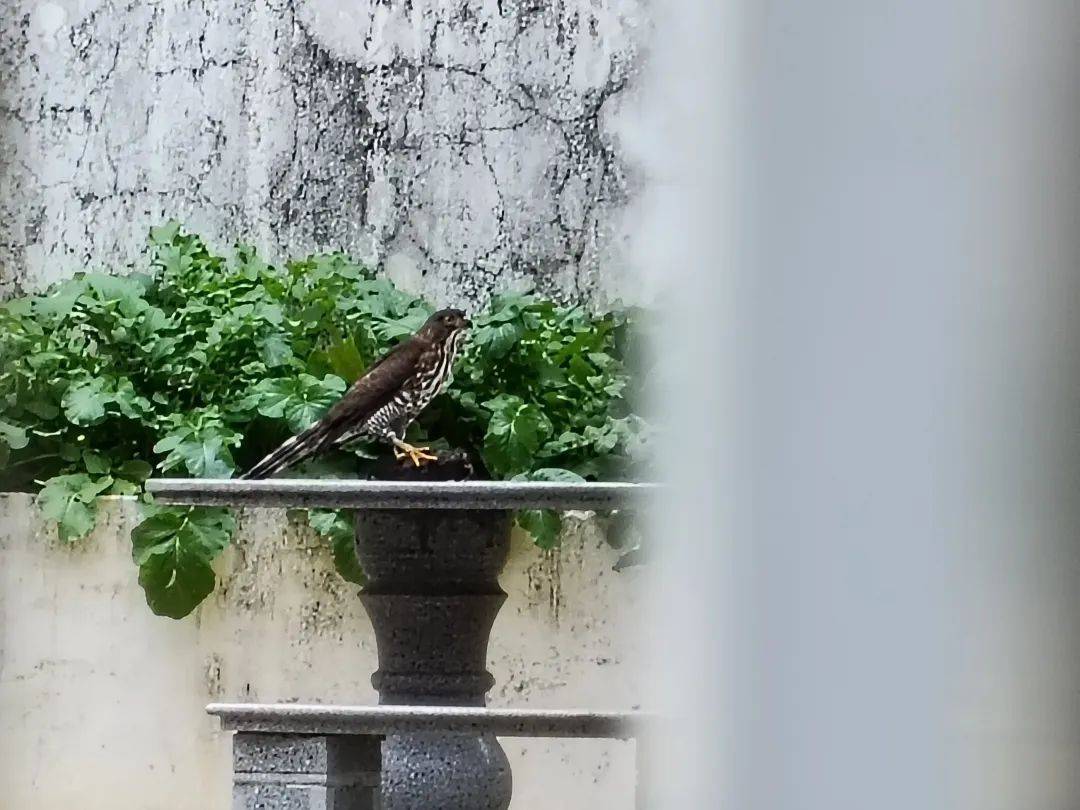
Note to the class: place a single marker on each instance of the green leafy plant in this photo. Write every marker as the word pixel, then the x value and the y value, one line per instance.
pixel 173 549
pixel 204 363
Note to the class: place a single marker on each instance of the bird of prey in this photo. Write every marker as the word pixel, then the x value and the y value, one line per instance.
pixel 385 400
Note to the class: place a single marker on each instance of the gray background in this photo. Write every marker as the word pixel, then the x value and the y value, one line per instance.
pixel 874 546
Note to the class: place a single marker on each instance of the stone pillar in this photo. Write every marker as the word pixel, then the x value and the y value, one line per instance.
pixel 304 772
pixel 432 595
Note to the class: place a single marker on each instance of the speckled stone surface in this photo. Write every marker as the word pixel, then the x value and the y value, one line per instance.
pixel 297 719
pixel 432 546
pixel 350 494
pixel 275 796
pixel 432 595
pixel 296 756
pixel 300 772
pixel 448 771
pixel 334 755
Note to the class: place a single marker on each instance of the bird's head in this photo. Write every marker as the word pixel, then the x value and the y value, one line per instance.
pixel 444 323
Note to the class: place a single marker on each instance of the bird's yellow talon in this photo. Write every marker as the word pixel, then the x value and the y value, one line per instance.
pixel 422 456
pixel 416 455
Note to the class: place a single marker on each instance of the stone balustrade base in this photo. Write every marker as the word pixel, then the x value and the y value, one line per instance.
pixel 305 772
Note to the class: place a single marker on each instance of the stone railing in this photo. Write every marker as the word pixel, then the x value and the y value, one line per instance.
pixel 432 550
pixel 308 757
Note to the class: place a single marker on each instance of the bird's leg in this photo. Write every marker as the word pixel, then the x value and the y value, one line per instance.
pixel 415 454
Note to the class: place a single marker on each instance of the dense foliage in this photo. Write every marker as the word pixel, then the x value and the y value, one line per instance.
pixel 206 362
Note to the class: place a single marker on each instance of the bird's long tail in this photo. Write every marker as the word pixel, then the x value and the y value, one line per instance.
pixel 292 451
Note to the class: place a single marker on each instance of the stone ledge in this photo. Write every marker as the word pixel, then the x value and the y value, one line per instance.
pixel 353 494
pixel 292 718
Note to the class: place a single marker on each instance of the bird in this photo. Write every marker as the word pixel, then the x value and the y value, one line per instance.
pixel 382 403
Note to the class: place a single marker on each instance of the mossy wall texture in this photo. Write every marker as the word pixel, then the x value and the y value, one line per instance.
pixel 465 145
pixel 101 702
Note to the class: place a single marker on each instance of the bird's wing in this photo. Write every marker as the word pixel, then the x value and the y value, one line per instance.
pixel 367 395
pixel 376 387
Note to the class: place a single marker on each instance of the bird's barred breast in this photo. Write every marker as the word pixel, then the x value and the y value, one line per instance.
pixel 432 373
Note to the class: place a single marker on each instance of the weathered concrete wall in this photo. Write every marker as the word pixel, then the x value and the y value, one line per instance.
pixel 101 703
pixel 464 143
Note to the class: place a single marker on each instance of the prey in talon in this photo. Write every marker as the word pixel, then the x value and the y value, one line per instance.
pixel 384 401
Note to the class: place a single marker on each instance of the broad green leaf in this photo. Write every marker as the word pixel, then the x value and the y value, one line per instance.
pixel 152 321
pixel 77 520
pixel 84 403
pixel 345 560
pixel 122 487
pixel 299 401
pixel 58 304
pixel 114 288
pixel 346 361
pixel 514 434
pixel 129 403
pixel 69 501
pixel 172 440
pixel 202 457
pixel 95 463
pixel 327 522
pixel 248 262
pixel 498 338
pixel 550 375
pixel 174 549
pixel 301 411
pixel 94 487
pixel 336 526
pixel 200 445
pixel 211 529
pixel 507 306
pixel 13 436
pixel 550 474
pixel 271 313
pixel 275 351
pixel 155 534
pixel 602 439
pixel 174 260
pixel 42 408
pixel 164 234
pixel 406 325
pixel 174 584
pixel 19 307
pixel 543 524
pixel 135 470
pixel 269 398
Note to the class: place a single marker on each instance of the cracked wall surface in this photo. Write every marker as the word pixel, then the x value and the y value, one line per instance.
pixel 464 145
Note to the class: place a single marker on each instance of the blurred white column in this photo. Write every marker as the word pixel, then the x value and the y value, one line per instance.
pixel 869 592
